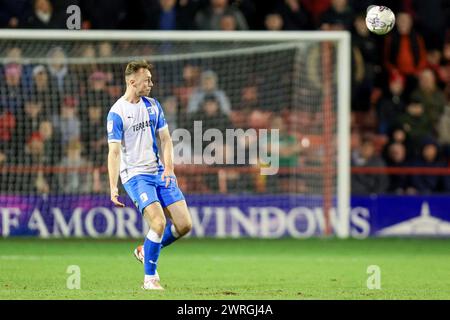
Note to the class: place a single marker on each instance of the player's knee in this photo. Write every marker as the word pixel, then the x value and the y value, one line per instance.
pixel 185 227
pixel 158 224
pixel 155 218
pixel 158 227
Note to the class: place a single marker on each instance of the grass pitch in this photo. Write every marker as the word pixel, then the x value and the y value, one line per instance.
pixel 229 269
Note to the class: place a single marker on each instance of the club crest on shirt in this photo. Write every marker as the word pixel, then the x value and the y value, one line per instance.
pixel 143 197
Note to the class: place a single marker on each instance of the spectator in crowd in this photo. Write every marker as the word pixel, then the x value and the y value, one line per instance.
pixel 35 181
pixel 416 124
pixel 62 5
pixel 228 22
pixel 248 101
pixel 60 77
pixel 11 91
pixel 52 142
pixel 45 17
pixel 208 86
pixel 68 123
pixel 392 105
pixel 434 58
pixel 52 150
pixel 430 96
pixel 365 156
pixel 394 5
pixel 355 139
pixel 429 158
pixel 293 15
pixel 97 93
pixel 28 122
pixel 363 5
pixel 93 135
pixel 443 129
pixel 227 179
pixel 239 181
pixel 43 91
pixel 105 49
pixel 398 135
pixel 104 14
pixel 96 146
pixel 274 22
pixel 189 84
pixel 209 18
pixel 169 15
pixel 339 13
pixel 405 51
pixel 74 181
pixel 250 9
pixel 213 181
pixel 446 67
pixel 365 61
pixel 396 157
pixel 4 175
pixel 12 13
pixel 171 109
pixel 316 9
pixel 430 17
pixel 289 147
pixel 211 115
pixel 82 71
pixel 314 60
pixel 289 151
pixel 13 55
pixel 7 128
pixel 249 98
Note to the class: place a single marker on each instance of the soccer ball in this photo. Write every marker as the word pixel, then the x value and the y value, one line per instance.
pixel 379 19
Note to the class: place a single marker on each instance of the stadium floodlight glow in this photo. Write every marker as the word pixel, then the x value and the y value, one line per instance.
pixel 316 63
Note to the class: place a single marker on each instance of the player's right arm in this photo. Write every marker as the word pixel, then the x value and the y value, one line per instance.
pixel 115 135
pixel 113 171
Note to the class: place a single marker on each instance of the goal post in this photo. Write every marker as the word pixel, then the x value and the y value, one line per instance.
pixel 314 81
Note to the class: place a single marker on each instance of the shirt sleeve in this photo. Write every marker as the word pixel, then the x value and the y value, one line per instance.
pixel 161 122
pixel 115 127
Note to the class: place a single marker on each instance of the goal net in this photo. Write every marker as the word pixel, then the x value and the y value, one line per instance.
pixel 281 98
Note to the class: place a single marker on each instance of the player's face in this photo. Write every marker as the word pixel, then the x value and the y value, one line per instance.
pixel 143 82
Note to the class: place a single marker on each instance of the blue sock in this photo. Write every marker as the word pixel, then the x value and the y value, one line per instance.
pixel 152 248
pixel 169 236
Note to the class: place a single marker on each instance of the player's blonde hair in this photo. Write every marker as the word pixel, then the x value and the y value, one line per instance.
pixel 134 66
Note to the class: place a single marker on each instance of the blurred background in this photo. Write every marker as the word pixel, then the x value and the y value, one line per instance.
pixel 54 97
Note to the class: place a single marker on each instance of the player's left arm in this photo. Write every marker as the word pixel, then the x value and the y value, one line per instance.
pixel 166 147
pixel 167 155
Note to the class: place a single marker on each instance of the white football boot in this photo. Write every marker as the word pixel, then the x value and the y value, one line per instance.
pixel 152 283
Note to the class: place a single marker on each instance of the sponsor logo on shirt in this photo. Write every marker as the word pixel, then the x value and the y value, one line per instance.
pixel 141 126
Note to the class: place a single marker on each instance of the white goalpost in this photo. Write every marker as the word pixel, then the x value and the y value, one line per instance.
pixel 305 77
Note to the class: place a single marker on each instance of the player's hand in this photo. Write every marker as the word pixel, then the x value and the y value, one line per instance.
pixel 168 176
pixel 115 198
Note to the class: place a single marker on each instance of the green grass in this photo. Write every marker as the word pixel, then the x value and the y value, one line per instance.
pixel 229 269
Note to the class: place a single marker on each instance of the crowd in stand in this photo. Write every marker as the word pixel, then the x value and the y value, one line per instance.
pixel 400 89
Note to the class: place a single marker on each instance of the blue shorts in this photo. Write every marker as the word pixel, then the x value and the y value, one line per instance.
pixel 145 189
